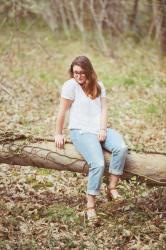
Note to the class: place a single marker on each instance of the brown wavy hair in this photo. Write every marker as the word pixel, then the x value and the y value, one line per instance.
pixel 91 86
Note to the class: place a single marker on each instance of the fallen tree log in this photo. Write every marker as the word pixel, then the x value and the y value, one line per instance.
pixel 25 151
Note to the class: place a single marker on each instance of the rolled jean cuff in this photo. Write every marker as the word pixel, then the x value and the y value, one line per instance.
pixel 93 192
pixel 114 172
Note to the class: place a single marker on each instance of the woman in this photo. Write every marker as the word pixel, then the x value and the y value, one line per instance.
pixel 85 97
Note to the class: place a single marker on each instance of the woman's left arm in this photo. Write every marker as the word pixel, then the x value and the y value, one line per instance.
pixel 103 121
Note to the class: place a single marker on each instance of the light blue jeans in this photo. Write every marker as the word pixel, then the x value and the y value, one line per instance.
pixel 88 145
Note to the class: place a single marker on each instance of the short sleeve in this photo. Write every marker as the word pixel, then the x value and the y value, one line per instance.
pixel 103 91
pixel 68 90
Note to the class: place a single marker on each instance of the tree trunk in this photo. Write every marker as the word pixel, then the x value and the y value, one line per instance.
pixel 163 28
pixel 133 15
pixel 42 153
pixel 159 12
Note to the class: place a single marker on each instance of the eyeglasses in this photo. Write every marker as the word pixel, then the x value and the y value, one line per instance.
pixel 81 73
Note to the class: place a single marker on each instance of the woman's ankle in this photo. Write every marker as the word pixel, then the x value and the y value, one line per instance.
pixel 90 205
pixel 113 181
pixel 111 187
pixel 91 201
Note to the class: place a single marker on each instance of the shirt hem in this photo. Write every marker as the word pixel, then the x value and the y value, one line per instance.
pixel 83 131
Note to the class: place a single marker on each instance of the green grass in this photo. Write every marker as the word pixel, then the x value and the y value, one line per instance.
pixel 39 184
pixel 41 56
pixel 44 171
pixel 62 213
pixel 152 109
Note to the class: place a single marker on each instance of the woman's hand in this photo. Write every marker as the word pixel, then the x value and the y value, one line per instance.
pixel 59 141
pixel 102 135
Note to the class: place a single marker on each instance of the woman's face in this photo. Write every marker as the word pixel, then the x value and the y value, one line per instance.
pixel 79 74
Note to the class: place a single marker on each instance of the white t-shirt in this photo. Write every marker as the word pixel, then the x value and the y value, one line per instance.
pixel 85 113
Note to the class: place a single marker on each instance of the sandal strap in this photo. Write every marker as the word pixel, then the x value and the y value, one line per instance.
pixel 90 215
pixel 93 218
pixel 88 208
pixel 113 188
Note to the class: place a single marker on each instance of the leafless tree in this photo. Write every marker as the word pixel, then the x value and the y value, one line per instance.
pixel 132 16
pixel 162 12
pixel 105 20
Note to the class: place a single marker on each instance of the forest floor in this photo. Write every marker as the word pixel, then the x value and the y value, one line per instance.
pixel 43 209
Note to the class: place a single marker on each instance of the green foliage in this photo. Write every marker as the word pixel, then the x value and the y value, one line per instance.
pixel 44 171
pixel 152 108
pixel 62 213
pixel 39 184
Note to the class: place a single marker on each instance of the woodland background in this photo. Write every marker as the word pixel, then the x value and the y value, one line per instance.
pixel 126 41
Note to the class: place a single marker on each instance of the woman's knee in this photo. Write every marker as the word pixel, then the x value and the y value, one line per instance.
pixel 123 149
pixel 97 165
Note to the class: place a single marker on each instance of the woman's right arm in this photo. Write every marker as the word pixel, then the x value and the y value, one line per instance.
pixel 59 137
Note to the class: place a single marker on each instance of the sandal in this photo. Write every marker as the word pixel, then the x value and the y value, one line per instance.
pixel 91 216
pixel 112 196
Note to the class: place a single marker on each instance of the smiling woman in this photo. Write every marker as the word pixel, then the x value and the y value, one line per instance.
pixel 85 96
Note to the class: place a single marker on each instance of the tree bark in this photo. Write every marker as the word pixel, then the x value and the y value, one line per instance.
pixel 133 15
pixel 159 12
pixel 163 28
pixel 43 154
